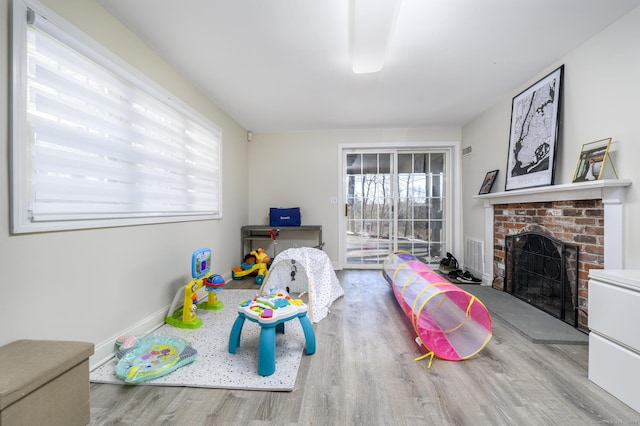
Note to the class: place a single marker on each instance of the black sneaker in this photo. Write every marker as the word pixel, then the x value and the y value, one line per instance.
pixel 453 275
pixel 466 277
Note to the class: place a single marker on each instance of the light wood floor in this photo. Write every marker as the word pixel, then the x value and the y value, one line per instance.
pixel 364 373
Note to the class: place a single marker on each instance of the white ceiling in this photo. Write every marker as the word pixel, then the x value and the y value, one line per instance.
pixel 283 65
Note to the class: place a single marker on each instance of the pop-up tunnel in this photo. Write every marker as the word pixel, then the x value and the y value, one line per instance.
pixel 451 323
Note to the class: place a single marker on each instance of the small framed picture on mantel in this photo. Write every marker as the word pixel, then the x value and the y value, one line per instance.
pixel 594 158
pixel 488 182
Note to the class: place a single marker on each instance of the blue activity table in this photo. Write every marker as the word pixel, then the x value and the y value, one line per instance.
pixel 271 312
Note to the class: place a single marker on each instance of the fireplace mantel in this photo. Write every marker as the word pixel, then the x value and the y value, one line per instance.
pixel 610 191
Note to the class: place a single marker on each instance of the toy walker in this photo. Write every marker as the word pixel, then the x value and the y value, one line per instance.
pixel 186 317
pixel 255 263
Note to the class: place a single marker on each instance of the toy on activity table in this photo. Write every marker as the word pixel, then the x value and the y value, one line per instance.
pixel 271 311
pixel 450 323
pixel 146 358
pixel 255 263
pixel 186 317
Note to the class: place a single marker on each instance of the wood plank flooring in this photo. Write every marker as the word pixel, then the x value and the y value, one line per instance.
pixel 364 373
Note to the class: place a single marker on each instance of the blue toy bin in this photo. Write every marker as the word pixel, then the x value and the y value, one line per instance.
pixel 279 216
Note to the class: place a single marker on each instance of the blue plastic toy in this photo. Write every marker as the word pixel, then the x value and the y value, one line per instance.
pixel 271 312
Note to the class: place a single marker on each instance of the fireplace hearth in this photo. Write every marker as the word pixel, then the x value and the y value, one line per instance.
pixel 543 271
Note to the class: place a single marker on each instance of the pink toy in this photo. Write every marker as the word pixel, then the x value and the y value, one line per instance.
pixel 450 323
pixel 126 342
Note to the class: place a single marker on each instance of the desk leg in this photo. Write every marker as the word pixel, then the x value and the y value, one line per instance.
pixel 267 351
pixel 236 331
pixel 309 334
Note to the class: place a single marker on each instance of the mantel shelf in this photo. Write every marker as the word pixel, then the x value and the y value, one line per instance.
pixel 608 190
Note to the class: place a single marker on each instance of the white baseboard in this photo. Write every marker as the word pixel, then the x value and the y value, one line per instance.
pixel 105 350
pixel 487 279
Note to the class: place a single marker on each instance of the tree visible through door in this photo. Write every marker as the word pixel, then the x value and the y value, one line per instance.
pixel 395 200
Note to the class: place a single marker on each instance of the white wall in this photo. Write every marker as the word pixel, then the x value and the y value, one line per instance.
pixel 301 170
pixel 601 99
pixel 91 285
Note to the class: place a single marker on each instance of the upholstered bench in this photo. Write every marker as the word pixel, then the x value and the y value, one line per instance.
pixel 44 382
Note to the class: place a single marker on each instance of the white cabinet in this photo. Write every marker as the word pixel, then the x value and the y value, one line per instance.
pixel 614 340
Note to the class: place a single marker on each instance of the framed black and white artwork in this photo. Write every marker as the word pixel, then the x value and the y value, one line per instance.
pixel 533 138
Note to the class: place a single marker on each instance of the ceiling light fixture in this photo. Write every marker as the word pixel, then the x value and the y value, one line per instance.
pixel 372 24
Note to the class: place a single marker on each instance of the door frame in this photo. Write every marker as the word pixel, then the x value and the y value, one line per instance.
pixel 452 148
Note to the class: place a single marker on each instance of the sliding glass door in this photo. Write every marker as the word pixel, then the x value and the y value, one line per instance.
pixel 395 200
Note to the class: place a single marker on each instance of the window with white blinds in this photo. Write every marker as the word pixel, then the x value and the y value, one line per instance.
pixel 96 143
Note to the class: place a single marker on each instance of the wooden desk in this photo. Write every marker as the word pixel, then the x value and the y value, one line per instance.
pixel 251 233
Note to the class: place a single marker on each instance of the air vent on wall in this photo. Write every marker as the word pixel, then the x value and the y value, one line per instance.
pixel 466 151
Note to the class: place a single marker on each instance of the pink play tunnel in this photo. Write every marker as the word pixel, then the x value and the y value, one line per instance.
pixel 451 323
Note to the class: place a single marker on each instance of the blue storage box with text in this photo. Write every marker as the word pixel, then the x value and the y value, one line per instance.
pixel 279 216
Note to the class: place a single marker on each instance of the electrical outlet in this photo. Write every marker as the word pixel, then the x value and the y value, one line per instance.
pixel 333 200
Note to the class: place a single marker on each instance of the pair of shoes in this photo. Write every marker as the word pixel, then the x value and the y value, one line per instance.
pixel 466 277
pixel 448 264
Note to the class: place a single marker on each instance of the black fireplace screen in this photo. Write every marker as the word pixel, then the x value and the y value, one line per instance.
pixel 543 271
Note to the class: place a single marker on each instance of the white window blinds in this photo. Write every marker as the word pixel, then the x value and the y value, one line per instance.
pixel 101 143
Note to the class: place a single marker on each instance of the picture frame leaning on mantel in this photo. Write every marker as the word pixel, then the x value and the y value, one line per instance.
pixel 533 137
pixel 593 160
pixel 488 182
